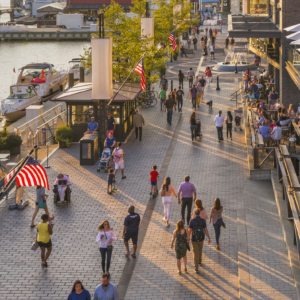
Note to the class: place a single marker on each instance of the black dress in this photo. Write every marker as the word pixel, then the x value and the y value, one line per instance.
pixel 181 245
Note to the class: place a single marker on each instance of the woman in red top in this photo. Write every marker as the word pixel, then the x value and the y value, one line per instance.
pixel 208 75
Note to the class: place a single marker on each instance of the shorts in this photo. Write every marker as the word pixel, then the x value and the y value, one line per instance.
pixel 45 245
pixel 131 235
pixel 202 88
pixel 213 53
pixel 120 165
pixel 153 182
pixel 110 183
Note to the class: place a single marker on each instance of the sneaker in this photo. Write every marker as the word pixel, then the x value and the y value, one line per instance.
pixel 123 177
pixel 196 271
pixel 150 193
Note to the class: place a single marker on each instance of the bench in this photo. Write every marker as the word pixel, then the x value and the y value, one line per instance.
pixel 189 51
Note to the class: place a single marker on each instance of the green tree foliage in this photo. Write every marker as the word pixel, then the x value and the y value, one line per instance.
pixel 129 45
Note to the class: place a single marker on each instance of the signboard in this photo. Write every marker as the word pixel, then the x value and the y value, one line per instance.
pixel 86 149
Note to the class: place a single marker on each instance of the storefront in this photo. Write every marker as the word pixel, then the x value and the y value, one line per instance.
pixel 81 107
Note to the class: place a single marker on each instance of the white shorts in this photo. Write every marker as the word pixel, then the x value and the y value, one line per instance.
pixel 202 88
pixel 120 165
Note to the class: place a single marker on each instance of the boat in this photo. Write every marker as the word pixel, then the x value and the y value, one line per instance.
pixel 18 15
pixel 20 97
pixel 47 80
pixel 27 5
pixel 75 63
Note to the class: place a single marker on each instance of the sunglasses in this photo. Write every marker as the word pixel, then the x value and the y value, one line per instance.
pixel 105 224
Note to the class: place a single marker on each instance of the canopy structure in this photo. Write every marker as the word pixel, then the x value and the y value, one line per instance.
pixel 294 36
pixel 297 42
pixel 293 28
pixel 52 8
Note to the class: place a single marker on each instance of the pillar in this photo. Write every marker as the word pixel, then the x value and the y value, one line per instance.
pixel 147 28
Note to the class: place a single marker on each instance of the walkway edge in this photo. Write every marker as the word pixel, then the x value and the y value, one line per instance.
pixel 288 232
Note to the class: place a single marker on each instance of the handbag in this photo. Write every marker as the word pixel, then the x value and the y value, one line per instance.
pixel 35 244
pixel 42 203
pixel 223 225
pixel 162 192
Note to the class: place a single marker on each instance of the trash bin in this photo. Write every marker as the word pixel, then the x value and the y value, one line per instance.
pixel 89 149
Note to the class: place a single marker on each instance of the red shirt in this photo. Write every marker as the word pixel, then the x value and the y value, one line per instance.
pixel 153 176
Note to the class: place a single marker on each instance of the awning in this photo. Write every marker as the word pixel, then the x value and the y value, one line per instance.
pixel 252 26
pixel 293 28
pixel 294 36
pixel 297 42
pixel 52 8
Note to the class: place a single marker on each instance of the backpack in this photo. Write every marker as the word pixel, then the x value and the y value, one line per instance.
pixel 116 158
pixel 197 234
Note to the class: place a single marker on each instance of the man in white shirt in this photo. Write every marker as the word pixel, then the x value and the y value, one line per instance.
pixel 219 119
pixel 277 132
pixel 264 73
pixel 212 52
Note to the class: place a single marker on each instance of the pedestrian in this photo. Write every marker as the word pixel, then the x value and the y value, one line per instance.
pixel 110 141
pixel 219 119
pixel 212 52
pixel 131 230
pixel 164 82
pixel 106 290
pixel 138 122
pixel 202 42
pixel 208 75
pixel 173 95
pixel 169 106
pixel 186 191
pixel 182 51
pixel 92 127
pixel 110 179
pixel 202 82
pixel 119 160
pixel 153 179
pixel 106 236
pixel 210 33
pixel 195 43
pixel 215 33
pixel 40 202
pixel 193 96
pixel 203 213
pixel 79 292
pixel 197 231
pixel 190 30
pixel 199 92
pixel 228 122
pixel 216 216
pixel 189 43
pixel 196 30
pixel 227 42
pixel 180 78
pixel 205 40
pixel 43 239
pixel 111 124
pixel 181 245
pixel 191 76
pixel 205 53
pixel 179 95
pixel 196 81
pixel 166 191
pixel 213 39
pixel 162 97
pixel 206 31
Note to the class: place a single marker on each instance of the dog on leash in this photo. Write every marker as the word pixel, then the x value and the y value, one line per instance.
pixel 209 103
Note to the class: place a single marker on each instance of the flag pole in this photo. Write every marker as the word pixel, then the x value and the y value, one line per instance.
pixel 125 81
pixel 6 187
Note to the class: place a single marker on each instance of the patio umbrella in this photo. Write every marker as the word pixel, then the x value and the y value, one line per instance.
pixel 295 42
pixel 293 28
pixel 294 36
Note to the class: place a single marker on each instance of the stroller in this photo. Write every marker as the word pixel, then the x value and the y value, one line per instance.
pixel 62 184
pixel 105 160
pixel 198 130
pixel 237 121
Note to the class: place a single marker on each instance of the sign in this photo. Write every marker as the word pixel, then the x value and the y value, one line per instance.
pixel 86 149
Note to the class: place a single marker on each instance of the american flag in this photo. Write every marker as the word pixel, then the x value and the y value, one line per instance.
pixel 31 174
pixel 140 70
pixel 173 40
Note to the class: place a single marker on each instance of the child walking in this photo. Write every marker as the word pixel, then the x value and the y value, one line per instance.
pixel 111 178
pixel 153 179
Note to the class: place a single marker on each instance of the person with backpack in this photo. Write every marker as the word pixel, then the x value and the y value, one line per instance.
pixel 216 216
pixel 191 76
pixel 197 231
pixel 118 160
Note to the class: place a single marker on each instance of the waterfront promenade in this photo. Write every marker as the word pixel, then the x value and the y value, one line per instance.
pixel 253 261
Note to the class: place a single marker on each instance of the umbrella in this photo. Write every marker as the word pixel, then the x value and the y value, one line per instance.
pixel 295 42
pixel 293 28
pixel 294 36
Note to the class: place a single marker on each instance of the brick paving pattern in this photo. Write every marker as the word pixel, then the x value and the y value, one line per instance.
pixel 216 169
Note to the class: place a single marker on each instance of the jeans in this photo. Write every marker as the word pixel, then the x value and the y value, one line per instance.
pixel 186 202
pixel 181 83
pixel 183 53
pixel 195 46
pixel 162 103
pixel 103 252
pixel 197 251
pixel 167 210
pixel 189 46
pixel 229 129
pixel 138 131
pixel 220 133
pixel 190 82
pixel 193 127
pixel 217 227
pixel 169 115
pixel 179 102
pixel 194 102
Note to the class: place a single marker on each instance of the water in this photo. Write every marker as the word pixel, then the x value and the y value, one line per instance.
pixel 236 58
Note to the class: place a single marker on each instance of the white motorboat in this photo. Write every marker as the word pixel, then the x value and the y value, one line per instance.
pixel 20 97
pixel 46 80
pixel 75 64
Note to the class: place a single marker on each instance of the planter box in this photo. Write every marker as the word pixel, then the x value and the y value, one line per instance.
pixel 16 150
pixel 62 144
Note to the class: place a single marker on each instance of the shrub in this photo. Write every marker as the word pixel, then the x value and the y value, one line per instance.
pixel 64 133
pixel 12 141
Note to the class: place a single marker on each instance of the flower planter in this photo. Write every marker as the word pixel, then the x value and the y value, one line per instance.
pixel 62 144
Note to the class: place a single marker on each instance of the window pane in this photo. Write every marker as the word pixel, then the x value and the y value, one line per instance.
pixel 258 6
pixel 116 113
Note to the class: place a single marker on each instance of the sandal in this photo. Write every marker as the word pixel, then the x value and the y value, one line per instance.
pixel 133 255
pixel 127 254
pixel 185 270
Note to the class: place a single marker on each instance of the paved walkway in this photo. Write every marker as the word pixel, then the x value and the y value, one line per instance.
pixel 252 263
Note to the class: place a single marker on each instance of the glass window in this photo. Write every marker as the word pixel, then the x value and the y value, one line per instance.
pixel 81 114
pixel 258 6
pixel 116 113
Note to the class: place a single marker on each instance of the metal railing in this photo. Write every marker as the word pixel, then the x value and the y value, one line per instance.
pixel 32 132
pixel 235 95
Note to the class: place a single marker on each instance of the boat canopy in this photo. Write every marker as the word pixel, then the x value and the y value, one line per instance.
pixel 37 66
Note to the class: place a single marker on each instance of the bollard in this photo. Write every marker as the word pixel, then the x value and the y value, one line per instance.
pixel 171 58
pixel 71 78
pixel 235 68
pixel 218 87
pixel 171 85
pixel 81 73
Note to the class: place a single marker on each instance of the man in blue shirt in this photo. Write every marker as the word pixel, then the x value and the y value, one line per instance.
pixel 92 126
pixel 106 290
pixel 131 230
pixel 264 130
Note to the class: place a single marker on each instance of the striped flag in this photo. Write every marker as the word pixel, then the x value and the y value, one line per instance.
pixel 31 174
pixel 140 70
pixel 173 40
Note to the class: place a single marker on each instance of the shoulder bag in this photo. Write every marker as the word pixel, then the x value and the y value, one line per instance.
pixel 35 244
pixel 162 192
